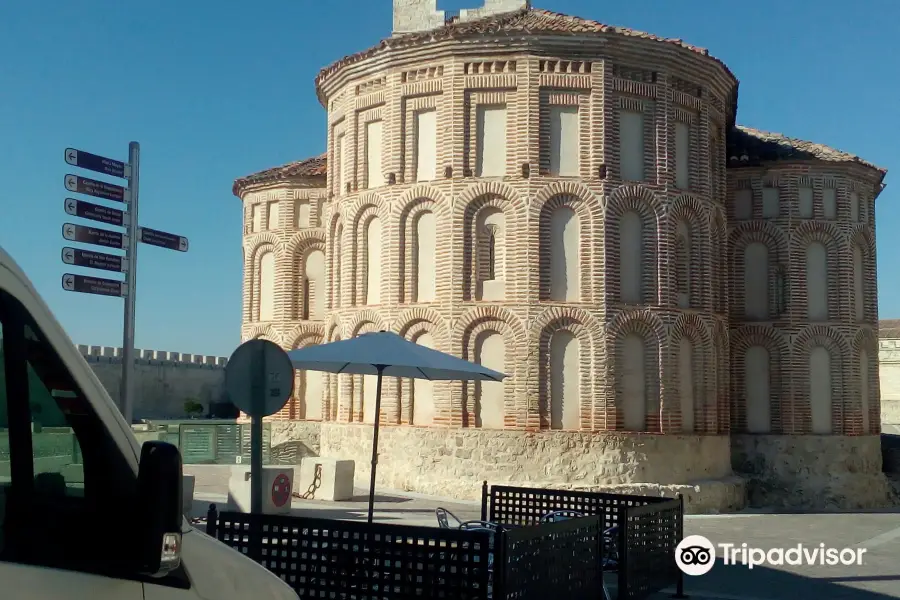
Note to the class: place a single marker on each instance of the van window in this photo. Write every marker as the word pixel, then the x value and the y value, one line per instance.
pixel 65 488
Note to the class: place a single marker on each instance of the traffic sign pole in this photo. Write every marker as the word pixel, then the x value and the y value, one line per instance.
pixel 126 392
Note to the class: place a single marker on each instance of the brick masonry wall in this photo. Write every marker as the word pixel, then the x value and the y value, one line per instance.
pixel 526 318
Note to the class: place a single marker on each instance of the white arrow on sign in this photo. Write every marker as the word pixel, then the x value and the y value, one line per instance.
pixel 69 283
pixel 72 156
pixel 69 232
pixel 68 256
pixel 183 244
pixel 71 183
pixel 72 207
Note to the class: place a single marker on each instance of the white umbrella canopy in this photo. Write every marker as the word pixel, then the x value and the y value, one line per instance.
pixel 386 353
pixel 397 357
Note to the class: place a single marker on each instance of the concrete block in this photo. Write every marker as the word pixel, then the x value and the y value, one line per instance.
pixel 277 484
pixel 335 484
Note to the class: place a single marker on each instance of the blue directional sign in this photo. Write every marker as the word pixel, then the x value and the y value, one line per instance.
pixel 94 162
pixel 163 239
pixel 94 212
pixel 92 187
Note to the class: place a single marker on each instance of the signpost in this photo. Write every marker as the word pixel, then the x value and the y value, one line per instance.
pixel 92 260
pixel 92 285
pixel 92 187
pixel 127 241
pixel 154 237
pixel 94 212
pixel 92 235
pixel 259 380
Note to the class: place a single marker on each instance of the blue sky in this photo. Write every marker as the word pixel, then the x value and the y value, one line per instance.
pixel 217 90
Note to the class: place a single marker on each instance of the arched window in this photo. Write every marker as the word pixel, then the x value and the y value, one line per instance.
pixel 313 279
pixel 266 286
pixel 683 265
pixel 686 392
pixel 756 281
pixel 565 381
pixel 373 261
pixel 858 283
pixel 490 254
pixel 565 262
pixel 631 256
pixel 490 351
pixel 816 282
pixel 632 390
pixel 820 392
pixel 423 391
pixel 757 382
pixel 424 257
pixel 780 292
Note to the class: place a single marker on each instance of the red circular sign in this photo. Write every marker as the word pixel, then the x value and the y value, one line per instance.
pixel 281 490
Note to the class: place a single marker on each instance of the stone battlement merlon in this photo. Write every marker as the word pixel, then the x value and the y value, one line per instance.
pixel 412 16
pixel 109 354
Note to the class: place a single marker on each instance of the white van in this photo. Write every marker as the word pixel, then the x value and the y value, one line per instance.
pixel 80 516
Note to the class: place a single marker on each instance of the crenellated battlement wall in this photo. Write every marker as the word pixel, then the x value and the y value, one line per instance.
pixel 109 354
pixel 163 380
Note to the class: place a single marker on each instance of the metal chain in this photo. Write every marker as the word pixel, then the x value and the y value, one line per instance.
pixel 316 484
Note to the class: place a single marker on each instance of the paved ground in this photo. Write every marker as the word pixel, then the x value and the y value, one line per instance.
pixel 879 533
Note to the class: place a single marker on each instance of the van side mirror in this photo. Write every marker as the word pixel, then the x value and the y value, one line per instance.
pixel 159 503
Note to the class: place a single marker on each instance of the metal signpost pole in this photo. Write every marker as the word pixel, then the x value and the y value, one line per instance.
pixel 131 230
pixel 256 430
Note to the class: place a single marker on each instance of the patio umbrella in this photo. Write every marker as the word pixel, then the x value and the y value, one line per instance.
pixel 387 354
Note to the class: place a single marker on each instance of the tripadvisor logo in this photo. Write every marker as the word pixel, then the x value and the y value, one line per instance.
pixel 696 555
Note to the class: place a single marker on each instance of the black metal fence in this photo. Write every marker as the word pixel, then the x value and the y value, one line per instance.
pixel 324 558
pixel 646 531
pixel 552 560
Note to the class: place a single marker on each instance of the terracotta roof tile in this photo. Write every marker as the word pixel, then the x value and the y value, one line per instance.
pixel 528 20
pixel 763 146
pixel 314 167
pixel 889 329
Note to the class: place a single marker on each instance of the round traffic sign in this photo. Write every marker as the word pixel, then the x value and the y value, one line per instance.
pixel 281 490
pixel 259 378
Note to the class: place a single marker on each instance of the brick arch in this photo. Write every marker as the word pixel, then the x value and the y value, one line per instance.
pixel 333 331
pixel 774 239
pixel 833 341
pixel 776 344
pixel 692 327
pixel 865 339
pixel 359 320
pixel 363 201
pixel 640 199
pixel 589 334
pixel 722 385
pixel 422 191
pixel 358 240
pixel 334 271
pixel 829 235
pixel 293 268
pixel 542 214
pixel 690 211
pixel 366 321
pixel 564 188
pixel 412 325
pixel 861 235
pixel 410 211
pixel 307 334
pixel 465 215
pixel 465 333
pixel 261 246
pixel 266 332
pixel 649 326
pixel 487 188
pixel 718 255
pixel 424 314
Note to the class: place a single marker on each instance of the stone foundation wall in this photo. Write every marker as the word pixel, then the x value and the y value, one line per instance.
pixel 454 462
pixel 812 472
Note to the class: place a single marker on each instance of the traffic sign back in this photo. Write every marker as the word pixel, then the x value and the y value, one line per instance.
pixel 259 378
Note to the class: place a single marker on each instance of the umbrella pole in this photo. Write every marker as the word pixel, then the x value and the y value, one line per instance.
pixel 375 442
